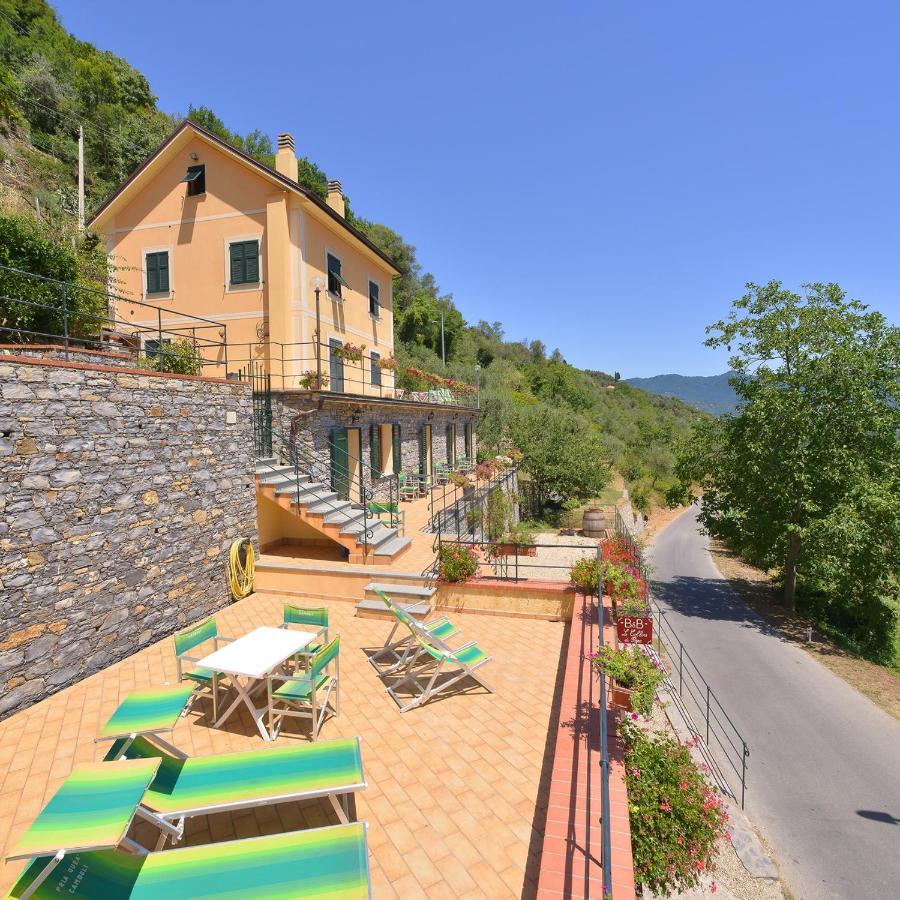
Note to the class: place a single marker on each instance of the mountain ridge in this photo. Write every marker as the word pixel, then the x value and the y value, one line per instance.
pixel 711 393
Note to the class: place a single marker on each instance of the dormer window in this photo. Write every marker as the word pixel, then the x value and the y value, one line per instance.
pixel 335 279
pixel 196 180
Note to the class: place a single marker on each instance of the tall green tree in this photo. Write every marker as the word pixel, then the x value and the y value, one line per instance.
pixel 817 378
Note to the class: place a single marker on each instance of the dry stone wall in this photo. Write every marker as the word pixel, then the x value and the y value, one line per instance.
pixel 121 494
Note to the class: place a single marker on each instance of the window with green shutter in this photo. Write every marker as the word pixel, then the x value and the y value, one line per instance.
pixel 244 262
pixel 374 302
pixel 157 272
pixel 335 278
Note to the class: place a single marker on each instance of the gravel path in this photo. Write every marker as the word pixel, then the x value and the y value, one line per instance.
pixel 552 563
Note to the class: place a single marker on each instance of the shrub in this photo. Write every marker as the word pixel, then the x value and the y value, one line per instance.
pixel 633 670
pixel 179 357
pixel 585 574
pixel 623 583
pixel 676 818
pixel 456 563
pixel 499 512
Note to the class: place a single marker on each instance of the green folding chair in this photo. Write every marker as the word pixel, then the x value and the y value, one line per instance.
pixel 206 681
pixel 399 651
pixel 330 862
pixel 317 617
pixel 306 696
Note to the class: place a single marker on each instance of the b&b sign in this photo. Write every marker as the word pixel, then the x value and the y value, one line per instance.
pixel 634 629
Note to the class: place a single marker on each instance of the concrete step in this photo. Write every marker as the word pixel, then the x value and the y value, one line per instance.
pixel 392 548
pixel 375 609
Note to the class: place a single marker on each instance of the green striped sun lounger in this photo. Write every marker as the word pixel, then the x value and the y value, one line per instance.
pixel 148 713
pixel 327 863
pixel 396 653
pixel 204 785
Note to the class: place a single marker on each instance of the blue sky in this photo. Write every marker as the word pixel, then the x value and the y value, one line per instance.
pixel 604 176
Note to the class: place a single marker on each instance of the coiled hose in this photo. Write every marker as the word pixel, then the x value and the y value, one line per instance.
pixel 241 571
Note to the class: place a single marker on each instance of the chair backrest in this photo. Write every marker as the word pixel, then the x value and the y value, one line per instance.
pixel 321 660
pixel 300 615
pixel 191 638
pixel 385 599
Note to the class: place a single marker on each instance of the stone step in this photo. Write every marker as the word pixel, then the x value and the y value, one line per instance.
pixel 410 593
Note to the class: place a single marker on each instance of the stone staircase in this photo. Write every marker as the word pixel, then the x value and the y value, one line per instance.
pixel 315 503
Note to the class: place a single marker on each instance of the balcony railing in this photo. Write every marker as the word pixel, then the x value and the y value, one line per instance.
pixel 352 370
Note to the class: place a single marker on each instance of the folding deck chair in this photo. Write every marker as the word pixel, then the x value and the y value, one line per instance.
pixel 206 681
pixel 320 862
pixel 398 651
pixel 205 785
pixel 297 696
pixel 465 659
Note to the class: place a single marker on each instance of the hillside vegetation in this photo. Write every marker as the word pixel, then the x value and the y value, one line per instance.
pixel 573 425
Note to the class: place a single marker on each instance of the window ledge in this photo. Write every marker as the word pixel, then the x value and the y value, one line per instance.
pixel 336 297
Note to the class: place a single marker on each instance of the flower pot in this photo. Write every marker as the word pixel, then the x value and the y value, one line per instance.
pixel 621 697
pixel 515 550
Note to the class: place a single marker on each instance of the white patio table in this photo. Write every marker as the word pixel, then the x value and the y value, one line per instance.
pixel 251 658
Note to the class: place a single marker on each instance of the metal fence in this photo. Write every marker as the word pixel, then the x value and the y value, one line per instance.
pixel 723 747
pixel 35 309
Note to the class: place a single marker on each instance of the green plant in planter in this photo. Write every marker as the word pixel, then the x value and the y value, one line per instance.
pixel 311 380
pixel 585 574
pixel 460 480
pixel 622 582
pixel 473 517
pixel 630 606
pixel 632 670
pixel 519 534
pixel 456 563
pixel 676 817
pixel 499 512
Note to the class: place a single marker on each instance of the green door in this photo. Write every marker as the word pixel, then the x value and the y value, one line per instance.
pixel 451 446
pixel 340 463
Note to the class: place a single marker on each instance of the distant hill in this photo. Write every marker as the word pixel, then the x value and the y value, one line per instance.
pixel 711 393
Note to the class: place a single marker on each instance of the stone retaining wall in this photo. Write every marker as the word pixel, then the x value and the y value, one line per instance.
pixel 121 494
pixel 75 354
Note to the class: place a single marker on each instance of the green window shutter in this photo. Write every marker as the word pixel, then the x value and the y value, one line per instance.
pixel 251 261
pixel 398 449
pixel 376 370
pixel 237 263
pixel 152 274
pixel 375 450
pixel 162 263
pixel 374 305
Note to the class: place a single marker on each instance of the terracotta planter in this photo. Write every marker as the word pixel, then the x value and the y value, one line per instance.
pixel 621 697
pixel 511 550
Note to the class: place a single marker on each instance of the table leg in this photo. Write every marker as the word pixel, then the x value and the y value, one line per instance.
pixel 244 694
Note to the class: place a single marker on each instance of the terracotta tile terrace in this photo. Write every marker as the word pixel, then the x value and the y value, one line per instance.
pixel 457 789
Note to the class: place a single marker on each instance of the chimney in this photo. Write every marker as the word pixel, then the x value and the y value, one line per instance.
pixel 286 158
pixel 336 197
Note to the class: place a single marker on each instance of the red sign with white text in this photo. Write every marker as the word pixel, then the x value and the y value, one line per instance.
pixel 634 629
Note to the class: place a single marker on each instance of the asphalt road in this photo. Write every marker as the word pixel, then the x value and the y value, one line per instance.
pixel 824 778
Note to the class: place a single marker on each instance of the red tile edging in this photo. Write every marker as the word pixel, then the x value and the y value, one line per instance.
pixel 570 863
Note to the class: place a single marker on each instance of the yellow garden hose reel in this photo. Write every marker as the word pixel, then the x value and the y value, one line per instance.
pixel 241 568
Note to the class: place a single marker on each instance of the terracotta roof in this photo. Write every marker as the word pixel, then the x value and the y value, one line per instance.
pixel 289 183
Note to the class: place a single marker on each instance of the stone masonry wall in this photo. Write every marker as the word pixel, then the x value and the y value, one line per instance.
pixel 121 494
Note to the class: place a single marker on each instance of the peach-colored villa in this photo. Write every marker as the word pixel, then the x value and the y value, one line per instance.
pixel 266 279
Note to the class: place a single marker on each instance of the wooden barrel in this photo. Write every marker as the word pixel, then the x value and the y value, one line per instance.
pixel 593 523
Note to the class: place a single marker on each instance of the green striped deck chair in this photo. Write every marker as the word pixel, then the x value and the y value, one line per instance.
pixel 301 615
pixel 306 696
pixel 206 681
pixel 446 668
pixel 205 785
pixel 395 654
pixel 330 862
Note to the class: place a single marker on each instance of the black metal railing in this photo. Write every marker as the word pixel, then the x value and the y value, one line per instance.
pixel 35 309
pixel 724 748
pixel 456 509
pixel 605 823
pixel 342 368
